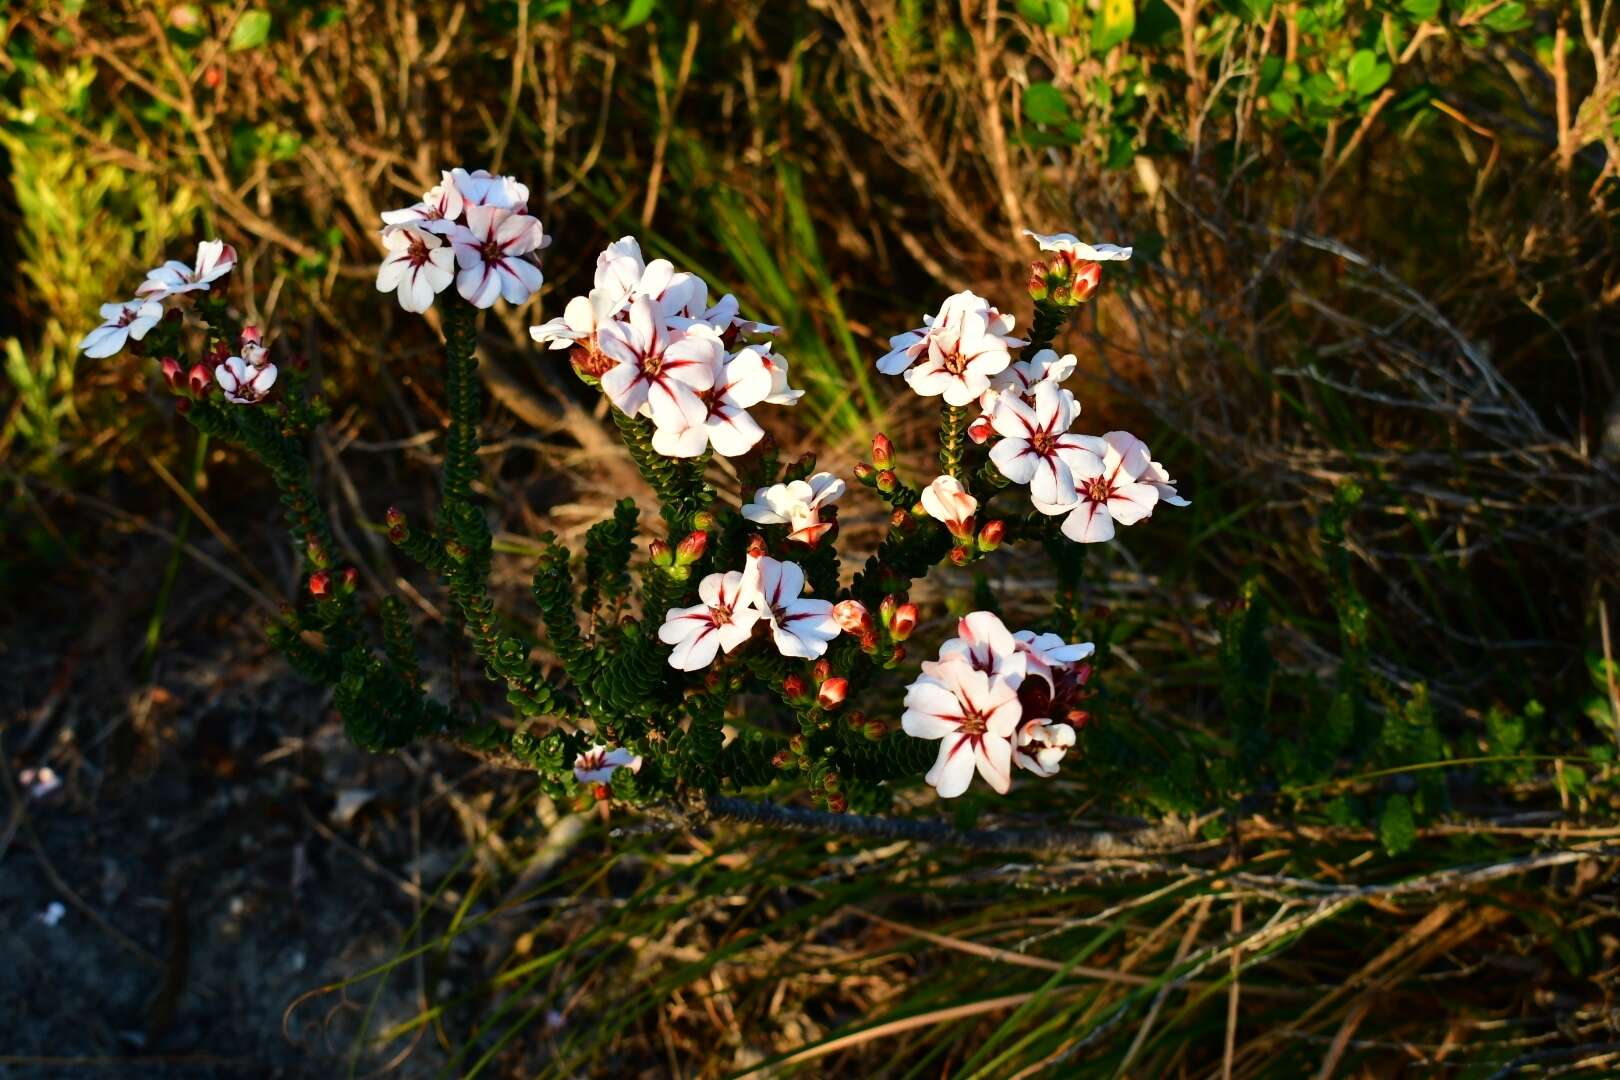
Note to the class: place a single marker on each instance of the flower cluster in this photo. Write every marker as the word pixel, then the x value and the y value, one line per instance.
pixel 767 590
pixel 471 220
pixel 648 336
pixel 133 319
pixel 995 700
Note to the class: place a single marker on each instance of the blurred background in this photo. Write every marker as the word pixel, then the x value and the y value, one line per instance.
pixel 1375 245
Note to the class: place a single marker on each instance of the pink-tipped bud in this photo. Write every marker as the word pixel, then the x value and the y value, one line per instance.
pixel 852 616
pixel 316 552
pixel 855 719
pixel 398 533
pixel 901 520
pixel 393 516
pixel 601 792
pixel 661 553
pixel 882 451
pixel 320 584
pixel 980 430
pixel 252 335
pixel 703 520
pixel 869 640
pixel 896 654
pixel 832 692
pixel 820 670
pixel 1082 674
pixel 992 534
pixel 797 745
pixel 886 480
pixel 782 759
pixel 1077 718
pixel 960 556
pixel 837 803
pixel 756 546
pixel 349 579
pixel 864 472
pixel 886 608
pixel 1087 276
pixel 831 782
pixel 198 380
pixel 903 622
pixel 793 687
pixel 691 548
pixel 173 373
pixel 875 729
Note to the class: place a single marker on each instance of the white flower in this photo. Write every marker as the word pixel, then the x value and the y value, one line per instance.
pixel 947 501
pixel 797 504
pixel 619 268
pixel 1045 653
pixel 579 322
pixel 1036 448
pixel 1114 493
pixel 723 621
pixel 438 211
pixel 781 393
pixel 479 188
pixel 963 356
pixel 419 265
pixel 490 249
pixel 801 628
pixel 1069 244
pixel 121 323
pixel 1159 477
pixel 243 383
pixel 1025 375
pixel 974 715
pixel 215 258
pixel 598 764
pixel 984 643
pixel 1039 745
pixel 659 371
pixel 905 349
pixel 741 383
pixel 723 316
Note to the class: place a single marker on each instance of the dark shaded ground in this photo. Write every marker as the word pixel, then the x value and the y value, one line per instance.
pixel 208 872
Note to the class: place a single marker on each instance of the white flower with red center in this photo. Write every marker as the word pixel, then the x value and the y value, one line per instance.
pixel 801 627
pixel 1039 745
pixel 215 258
pixel 1036 447
pixel 658 370
pixel 579 322
pixel 480 188
pixel 974 716
pixel 724 620
pixel 947 501
pixel 1159 477
pixel 490 250
pixel 1047 653
pixel 1021 379
pixel 781 393
pixel 962 359
pixel 724 317
pixel 1114 494
pixel 741 383
pixel 244 383
pixel 797 505
pixel 438 211
pixel 907 348
pixel 121 324
pixel 984 643
pixel 598 764
pixel 418 266
pixel 1069 244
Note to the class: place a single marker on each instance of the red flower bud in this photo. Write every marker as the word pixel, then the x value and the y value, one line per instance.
pixel 875 730
pixel 820 670
pixel 900 520
pixel 837 803
pixel 882 451
pixel 756 546
pixel 198 380
pixel 212 77
pixel 833 692
pixel 980 430
pixel 782 759
pixel 797 745
pixel 1087 276
pixel 691 548
pixel 173 373
pixel 793 687
pixel 397 533
pixel 887 607
pixel 886 480
pixel 252 335
pixel 320 584
pixel 394 516
pixel 660 553
pixel 864 472
pixel 1077 718
pixel 896 654
pixel 831 782
pixel 601 792
pixel 703 520
pixel 349 579
pixel 960 556
pixel 1082 674
pixel 852 616
pixel 903 622
pixel 991 535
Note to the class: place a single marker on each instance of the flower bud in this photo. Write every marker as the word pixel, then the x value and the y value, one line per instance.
pixel 832 692
pixel 875 730
pixel 864 472
pixel 820 670
pixel 600 791
pixel 980 430
pixel 882 451
pixel 797 745
pixel 1077 718
pixel 869 640
pixel 903 622
pixel 886 609
pixel 782 759
pixel 793 687
pixel 349 579
pixel 1082 674
pixel 173 373
pixel 837 803
pixel 900 520
pixel 756 546
pixel 1037 280
pixel 393 516
pixel 397 534
pixel 831 782
pixel 320 584
pixel 960 556
pixel 886 481
pixel 855 719
pixel 852 616
pixel 896 654
pixel 703 520
pixel 691 548
pixel 252 335
pixel 316 552
pixel 661 553
pixel 991 535
pixel 1087 276
pixel 198 380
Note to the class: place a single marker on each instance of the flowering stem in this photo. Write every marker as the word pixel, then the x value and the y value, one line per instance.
pixel 953 422
pixel 1049 319
pixel 461 388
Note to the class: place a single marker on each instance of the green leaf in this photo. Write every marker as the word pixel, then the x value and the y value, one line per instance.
pixel 1422 10
pixel 251 31
pixel 1045 104
pixel 1396 829
pixel 1366 72
pixel 1507 18
pixel 1050 14
pixel 637 12
pixel 1113 24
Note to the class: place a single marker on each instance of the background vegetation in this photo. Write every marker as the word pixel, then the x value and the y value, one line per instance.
pixel 1368 327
